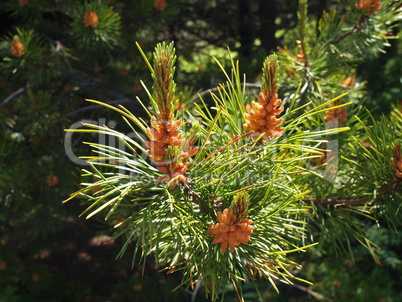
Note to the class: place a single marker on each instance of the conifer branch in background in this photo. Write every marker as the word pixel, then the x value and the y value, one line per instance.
pixel 208 210
pixel 229 190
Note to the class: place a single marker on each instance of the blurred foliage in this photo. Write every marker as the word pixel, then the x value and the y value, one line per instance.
pixel 46 253
pixel 383 91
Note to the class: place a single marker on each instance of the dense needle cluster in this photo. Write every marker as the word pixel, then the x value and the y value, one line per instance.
pixel 262 118
pixel 233 228
pixel 90 19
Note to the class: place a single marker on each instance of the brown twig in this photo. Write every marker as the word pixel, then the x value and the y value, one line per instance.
pixel 386 189
pixel 309 291
pixel 236 290
pixel 341 201
pixel 354 29
pixel 13 95
pixel 235 139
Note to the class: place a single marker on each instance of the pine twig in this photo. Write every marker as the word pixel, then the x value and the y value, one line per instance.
pixel 341 201
pixel 14 95
pixel 239 298
pixel 309 291
pixel 386 189
pixel 357 27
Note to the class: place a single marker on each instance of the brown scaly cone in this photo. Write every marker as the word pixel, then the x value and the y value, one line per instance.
pixel 339 114
pixel 90 19
pixel 17 48
pixel 369 6
pixel 397 160
pixel 262 117
pixel 233 228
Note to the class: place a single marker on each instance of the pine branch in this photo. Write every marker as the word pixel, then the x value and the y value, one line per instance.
pixel 309 291
pixel 386 189
pixel 341 201
pixel 302 15
pixel 14 95
pixel 356 28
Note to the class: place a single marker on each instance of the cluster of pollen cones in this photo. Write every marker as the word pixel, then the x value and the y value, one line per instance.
pixel 168 150
pixel 90 19
pixel 231 230
pixel 262 117
pixel 17 48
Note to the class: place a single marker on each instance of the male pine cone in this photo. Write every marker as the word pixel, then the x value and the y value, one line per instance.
pixel 233 228
pixel 261 119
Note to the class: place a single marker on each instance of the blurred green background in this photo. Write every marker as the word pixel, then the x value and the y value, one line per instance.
pixel 48 253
